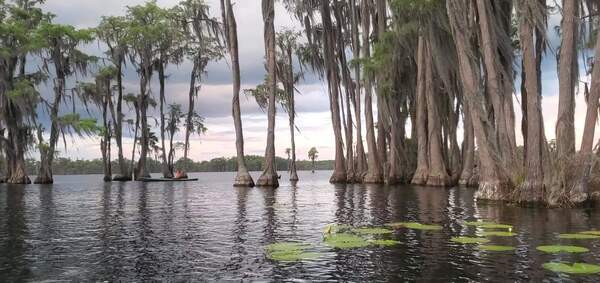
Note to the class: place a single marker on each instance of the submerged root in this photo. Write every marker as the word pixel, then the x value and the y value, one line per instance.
pixel 338 177
pixel 493 190
pixel 439 180
pixel 268 180
pixel 373 178
pixel 121 178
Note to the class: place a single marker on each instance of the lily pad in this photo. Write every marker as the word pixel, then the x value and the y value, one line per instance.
pixel 479 223
pixel 578 236
pixel 415 226
pixel 497 234
pixel 562 249
pixel 336 228
pixel 469 240
pixel 372 231
pixel 493 248
pixel 575 268
pixel 384 243
pixel 488 225
pixel 345 241
pixel 289 251
pixel 292 256
pixel 593 232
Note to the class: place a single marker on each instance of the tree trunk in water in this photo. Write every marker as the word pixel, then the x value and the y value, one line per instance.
pixel 438 176
pixel 243 178
pixel 105 141
pixel 374 172
pixel 532 190
pixel 339 172
pixel 135 139
pixel 587 141
pixel 47 152
pixel 494 182
pixel 191 102
pixel 494 84
pixel 567 77
pixel 468 150
pixel 382 113
pixel 361 160
pixel 269 177
pixel 141 171
pixel 422 171
pixel 166 171
pixel 292 169
pixel 124 173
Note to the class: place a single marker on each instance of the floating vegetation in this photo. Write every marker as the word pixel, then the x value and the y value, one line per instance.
pixel 371 231
pixel 575 268
pixel 336 228
pixel 488 225
pixel 469 240
pixel 414 225
pixel 497 234
pixel 493 248
pixel 562 249
pixel 478 223
pixel 345 241
pixel 289 251
pixel 384 243
pixel 578 236
pixel 593 232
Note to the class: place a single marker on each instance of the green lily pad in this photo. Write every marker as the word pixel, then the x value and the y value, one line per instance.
pixel 289 251
pixel 345 241
pixel 384 243
pixel 415 226
pixel 575 268
pixel 286 246
pixel 372 231
pixel 469 240
pixel 593 232
pixel 488 225
pixel 578 236
pixel 497 234
pixel 478 223
pixel 493 248
pixel 292 256
pixel 336 228
pixel 562 249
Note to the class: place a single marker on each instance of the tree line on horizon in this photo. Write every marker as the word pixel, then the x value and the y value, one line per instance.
pixel 67 166
pixel 433 65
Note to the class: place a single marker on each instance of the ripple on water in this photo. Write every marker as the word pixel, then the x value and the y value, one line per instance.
pixel 81 229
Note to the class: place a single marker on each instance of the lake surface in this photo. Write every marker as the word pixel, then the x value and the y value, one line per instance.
pixel 81 229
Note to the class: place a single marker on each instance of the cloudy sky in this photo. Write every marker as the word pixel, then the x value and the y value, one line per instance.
pixel 214 100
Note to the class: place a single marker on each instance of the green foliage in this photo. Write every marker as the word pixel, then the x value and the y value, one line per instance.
pixel 562 249
pixel 74 123
pixel 594 232
pixel 575 268
pixel 488 225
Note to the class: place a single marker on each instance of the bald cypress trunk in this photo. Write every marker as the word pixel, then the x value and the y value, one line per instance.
pixel 242 178
pixel 494 182
pixel 532 190
pixel 567 77
pixel 468 150
pixel 269 177
pixel 361 160
pixel 420 124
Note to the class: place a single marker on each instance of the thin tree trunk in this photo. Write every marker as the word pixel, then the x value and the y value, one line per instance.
pixel 142 171
pixel 135 139
pixel 269 177
pixel 167 173
pixel 242 178
pixel 125 174
pixel 339 172
pixel 374 173
pixel 191 105
pixel 587 141
pixel 361 160
pixel 468 150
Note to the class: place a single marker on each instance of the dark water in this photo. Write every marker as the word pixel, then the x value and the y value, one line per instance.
pixel 81 229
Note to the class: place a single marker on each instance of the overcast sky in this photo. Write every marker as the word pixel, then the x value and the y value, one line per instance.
pixel 214 101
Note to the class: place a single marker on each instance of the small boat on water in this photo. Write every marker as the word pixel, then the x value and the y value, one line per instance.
pixel 152 180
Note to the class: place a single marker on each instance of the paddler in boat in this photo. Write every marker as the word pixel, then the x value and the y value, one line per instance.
pixel 180 174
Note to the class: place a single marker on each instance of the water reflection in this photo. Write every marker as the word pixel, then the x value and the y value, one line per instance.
pixel 84 230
